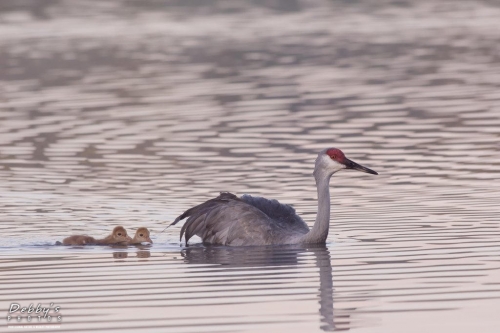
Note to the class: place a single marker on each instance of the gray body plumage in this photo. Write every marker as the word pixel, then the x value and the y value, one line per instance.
pixel 229 220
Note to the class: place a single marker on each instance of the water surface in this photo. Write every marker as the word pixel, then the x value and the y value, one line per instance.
pixel 128 113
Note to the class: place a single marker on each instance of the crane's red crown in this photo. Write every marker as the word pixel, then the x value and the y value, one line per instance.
pixel 336 155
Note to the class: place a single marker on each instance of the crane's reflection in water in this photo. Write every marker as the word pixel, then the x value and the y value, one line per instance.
pixel 275 257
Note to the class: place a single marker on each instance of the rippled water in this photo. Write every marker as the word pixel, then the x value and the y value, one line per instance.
pixel 129 112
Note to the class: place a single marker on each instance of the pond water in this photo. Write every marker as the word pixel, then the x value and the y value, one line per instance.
pixel 130 112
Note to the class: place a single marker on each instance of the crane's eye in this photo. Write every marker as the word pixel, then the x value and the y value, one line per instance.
pixel 141 235
pixel 119 234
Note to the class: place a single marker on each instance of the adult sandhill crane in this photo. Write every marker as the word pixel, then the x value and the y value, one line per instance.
pixel 244 221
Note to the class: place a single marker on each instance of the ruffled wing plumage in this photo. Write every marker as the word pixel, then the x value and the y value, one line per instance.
pixel 229 220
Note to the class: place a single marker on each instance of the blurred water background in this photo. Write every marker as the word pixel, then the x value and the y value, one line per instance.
pixel 129 112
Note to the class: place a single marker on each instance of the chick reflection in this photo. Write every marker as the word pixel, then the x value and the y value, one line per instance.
pixel 120 255
pixel 141 253
pixel 273 256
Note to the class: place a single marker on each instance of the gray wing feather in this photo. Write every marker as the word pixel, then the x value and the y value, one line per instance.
pixel 283 214
pixel 198 213
pixel 229 220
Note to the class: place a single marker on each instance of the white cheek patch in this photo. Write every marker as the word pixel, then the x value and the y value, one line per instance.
pixel 335 166
pixel 325 164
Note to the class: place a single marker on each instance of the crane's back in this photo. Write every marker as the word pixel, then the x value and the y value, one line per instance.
pixel 229 220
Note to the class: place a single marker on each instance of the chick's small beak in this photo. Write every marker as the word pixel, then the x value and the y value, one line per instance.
pixel 129 238
pixel 149 240
pixel 355 166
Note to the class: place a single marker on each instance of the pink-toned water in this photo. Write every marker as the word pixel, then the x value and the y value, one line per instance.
pixel 128 113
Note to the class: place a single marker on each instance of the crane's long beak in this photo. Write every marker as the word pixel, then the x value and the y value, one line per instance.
pixel 355 166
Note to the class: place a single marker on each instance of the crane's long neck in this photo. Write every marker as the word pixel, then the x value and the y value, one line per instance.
pixel 319 231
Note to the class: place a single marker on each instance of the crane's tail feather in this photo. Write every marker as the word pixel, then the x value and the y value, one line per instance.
pixel 198 215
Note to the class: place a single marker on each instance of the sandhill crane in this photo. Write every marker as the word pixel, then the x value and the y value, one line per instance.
pixel 229 220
